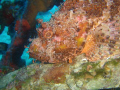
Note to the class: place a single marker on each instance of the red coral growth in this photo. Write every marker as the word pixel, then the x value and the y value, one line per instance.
pixel 56 74
pixel 22 24
pixel 18 41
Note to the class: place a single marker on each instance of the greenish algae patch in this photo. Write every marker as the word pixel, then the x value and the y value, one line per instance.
pixel 93 64
pixel 114 62
pixel 13 76
pixel 26 82
pixel 80 74
pixel 21 84
pixel 84 71
pixel 32 72
pixel 99 72
pixel 38 88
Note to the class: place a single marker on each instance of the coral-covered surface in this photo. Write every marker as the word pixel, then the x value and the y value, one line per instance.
pixel 81 26
pixel 81 75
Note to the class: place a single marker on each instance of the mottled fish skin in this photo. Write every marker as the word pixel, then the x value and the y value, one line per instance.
pixel 89 27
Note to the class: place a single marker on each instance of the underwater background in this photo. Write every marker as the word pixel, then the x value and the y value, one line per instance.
pixel 5 38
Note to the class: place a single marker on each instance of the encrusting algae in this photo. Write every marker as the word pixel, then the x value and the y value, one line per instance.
pixel 80 26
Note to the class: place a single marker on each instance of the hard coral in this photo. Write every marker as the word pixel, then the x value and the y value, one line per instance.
pixel 77 29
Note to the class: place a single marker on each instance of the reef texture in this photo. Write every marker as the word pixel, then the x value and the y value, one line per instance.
pixel 91 27
pixel 82 75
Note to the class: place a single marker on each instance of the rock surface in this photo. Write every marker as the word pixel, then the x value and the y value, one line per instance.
pixel 78 76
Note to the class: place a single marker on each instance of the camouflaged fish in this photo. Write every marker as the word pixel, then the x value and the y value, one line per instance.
pixel 91 27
